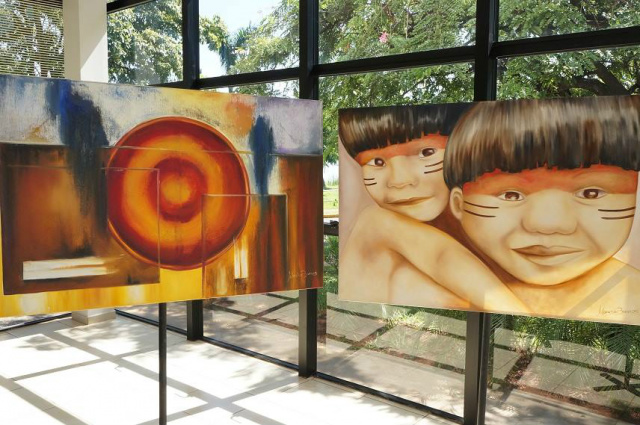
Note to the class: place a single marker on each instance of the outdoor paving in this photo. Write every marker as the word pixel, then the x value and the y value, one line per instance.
pixel 442 349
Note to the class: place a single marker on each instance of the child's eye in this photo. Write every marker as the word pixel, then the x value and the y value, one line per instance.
pixel 511 195
pixel 427 152
pixel 591 193
pixel 377 162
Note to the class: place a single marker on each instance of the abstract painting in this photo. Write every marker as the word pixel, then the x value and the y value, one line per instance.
pixel 518 207
pixel 115 195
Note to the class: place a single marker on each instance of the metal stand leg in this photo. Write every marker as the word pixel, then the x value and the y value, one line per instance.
pixel 195 320
pixel 162 378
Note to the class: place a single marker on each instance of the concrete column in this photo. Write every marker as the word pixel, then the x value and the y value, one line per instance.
pixel 86 59
pixel 85 40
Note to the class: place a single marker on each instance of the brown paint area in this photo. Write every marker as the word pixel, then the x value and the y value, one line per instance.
pixel 257 259
pixel 299 176
pixel 43 219
pixel 278 248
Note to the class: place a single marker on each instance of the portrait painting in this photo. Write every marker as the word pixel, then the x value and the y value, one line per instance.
pixel 517 207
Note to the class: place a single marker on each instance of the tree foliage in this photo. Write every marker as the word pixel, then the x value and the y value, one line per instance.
pixel 145 42
pixel 372 28
pixel 31 40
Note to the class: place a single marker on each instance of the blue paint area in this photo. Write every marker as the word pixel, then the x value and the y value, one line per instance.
pixel 262 145
pixel 81 130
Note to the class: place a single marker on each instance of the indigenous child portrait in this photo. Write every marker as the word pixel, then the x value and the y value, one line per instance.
pixel 539 212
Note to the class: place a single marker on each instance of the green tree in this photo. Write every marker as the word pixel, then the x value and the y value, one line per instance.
pixel 357 29
pixel 145 42
pixel 595 72
pixel 31 40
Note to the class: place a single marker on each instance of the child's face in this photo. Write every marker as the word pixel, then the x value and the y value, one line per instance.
pixel 548 226
pixel 407 178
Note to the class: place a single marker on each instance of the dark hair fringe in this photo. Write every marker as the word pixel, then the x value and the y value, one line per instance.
pixel 362 129
pixel 513 136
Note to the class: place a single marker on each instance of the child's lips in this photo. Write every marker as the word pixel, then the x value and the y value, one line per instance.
pixel 408 201
pixel 549 255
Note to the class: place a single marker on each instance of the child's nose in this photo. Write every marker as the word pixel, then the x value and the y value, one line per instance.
pixel 550 211
pixel 401 174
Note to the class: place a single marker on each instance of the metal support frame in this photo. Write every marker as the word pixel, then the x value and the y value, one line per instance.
pixel 195 320
pixel 190 42
pixel 190 76
pixel 479 324
pixel 308 299
pixel 162 357
pixel 484 55
pixel 118 5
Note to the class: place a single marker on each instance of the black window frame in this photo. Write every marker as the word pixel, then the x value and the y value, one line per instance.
pixel 484 55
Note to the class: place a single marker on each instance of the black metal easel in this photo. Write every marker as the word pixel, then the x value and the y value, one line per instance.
pixel 162 373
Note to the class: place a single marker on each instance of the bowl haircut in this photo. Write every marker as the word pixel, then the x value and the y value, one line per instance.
pixel 363 129
pixel 512 136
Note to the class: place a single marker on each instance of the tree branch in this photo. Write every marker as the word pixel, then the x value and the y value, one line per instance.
pixel 614 85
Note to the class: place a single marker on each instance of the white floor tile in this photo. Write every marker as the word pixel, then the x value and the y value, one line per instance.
pixel 106 394
pixel 37 354
pixel 119 336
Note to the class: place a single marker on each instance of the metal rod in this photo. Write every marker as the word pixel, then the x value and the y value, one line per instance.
pixel 258 77
pixel 35 322
pixel 162 350
pixel 190 42
pixel 308 299
pixel 397 62
pixel 602 39
pixel 478 324
pixel 118 5
pixel 195 320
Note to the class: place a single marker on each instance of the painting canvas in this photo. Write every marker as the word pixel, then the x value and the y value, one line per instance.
pixel 117 195
pixel 518 207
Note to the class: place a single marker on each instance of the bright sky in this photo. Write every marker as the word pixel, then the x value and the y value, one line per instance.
pixel 235 14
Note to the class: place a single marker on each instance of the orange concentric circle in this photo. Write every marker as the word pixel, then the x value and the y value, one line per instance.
pixel 157 177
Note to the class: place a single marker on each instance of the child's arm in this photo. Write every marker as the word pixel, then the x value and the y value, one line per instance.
pixel 442 258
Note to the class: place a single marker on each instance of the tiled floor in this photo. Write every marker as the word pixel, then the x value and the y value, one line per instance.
pixel 61 372
pixel 361 344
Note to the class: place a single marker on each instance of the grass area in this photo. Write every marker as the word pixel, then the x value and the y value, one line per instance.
pixel 330 201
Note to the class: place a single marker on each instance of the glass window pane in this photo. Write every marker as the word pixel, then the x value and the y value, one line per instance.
pixel 414 353
pixel 535 18
pixel 277 89
pixel 372 28
pixel 264 323
pixel 585 73
pixel 247 36
pixel 565 371
pixel 145 43
pixel 561 371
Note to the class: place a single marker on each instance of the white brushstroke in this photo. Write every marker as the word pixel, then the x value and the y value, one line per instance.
pixel 67 268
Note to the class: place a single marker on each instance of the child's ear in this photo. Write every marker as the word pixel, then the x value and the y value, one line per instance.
pixel 456 202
